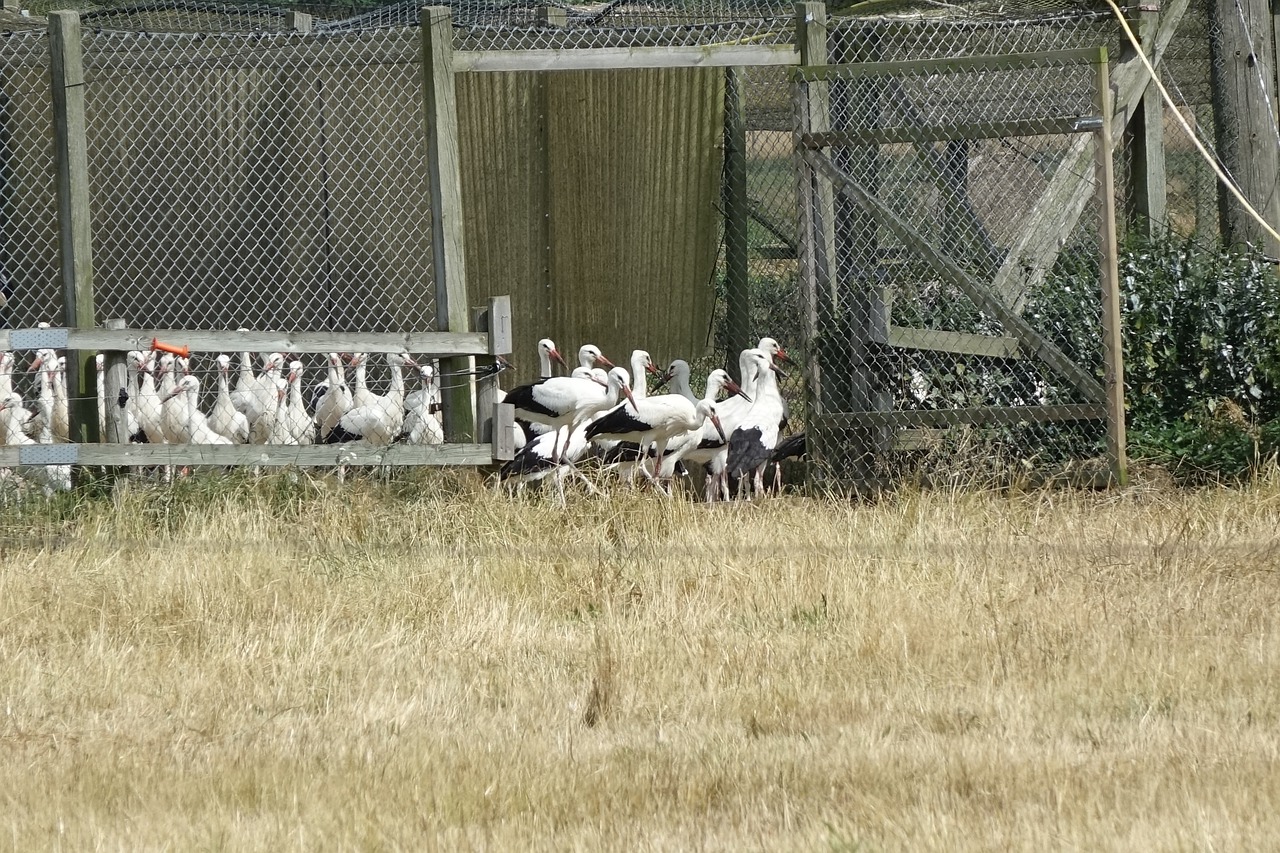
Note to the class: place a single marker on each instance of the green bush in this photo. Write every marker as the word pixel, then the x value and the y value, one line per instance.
pixel 1201 349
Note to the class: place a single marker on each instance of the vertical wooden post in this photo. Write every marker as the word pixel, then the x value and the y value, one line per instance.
pixel 1112 336
pixel 71 156
pixel 1244 98
pixel 1148 195
pixel 736 219
pixel 553 16
pixel 816 201
pixel 13 6
pixel 298 22
pixel 493 423
pixel 448 254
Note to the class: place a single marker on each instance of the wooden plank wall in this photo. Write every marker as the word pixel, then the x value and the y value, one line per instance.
pixel 591 198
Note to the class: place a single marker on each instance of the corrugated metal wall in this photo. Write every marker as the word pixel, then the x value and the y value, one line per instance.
pixel 591 198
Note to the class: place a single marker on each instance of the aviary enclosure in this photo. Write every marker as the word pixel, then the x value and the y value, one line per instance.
pixel 916 225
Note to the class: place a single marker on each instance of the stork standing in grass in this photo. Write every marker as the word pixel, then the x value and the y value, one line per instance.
pixel 753 440
pixel 568 401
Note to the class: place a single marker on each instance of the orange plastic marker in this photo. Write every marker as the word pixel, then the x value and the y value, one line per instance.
pixel 183 351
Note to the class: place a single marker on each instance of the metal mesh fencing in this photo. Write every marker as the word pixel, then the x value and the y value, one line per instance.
pixel 30 292
pixel 267 182
pixel 951 263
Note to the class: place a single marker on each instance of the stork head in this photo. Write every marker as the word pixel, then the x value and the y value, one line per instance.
pixel 426 374
pixel 720 380
pixel 589 355
pixel 620 381
pixel 164 364
pixel 295 371
pixel 182 364
pixel 707 411
pixel 274 362
pixel 224 363
pixel 547 347
pixel 400 359
pixel 775 350
pixel 678 367
pixel 45 358
pixel 185 385
pixel 11 401
pixel 357 359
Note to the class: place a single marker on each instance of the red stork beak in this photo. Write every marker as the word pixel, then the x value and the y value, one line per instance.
pixel 556 356
pixel 735 389
pixel 627 391
pixel 35 364
pixel 600 359
pixel 652 368
pixel 715 420
pixel 782 355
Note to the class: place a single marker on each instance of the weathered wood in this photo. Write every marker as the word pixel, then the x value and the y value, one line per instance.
pixel 994 62
pixel 298 22
pixel 425 343
pixel 976 416
pixel 1244 99
pixel 736 219
pixel 66 70
pixel 440 103
pixel 816 241
pixel 960 343
pixel 1112 335
pixel 498 325
pixel 1148 194
pixel 504 444
pixel 553 16
pixel 583 59
pixel 486 385
pixel 271 455
pixel 981 294
pixel 945 133
pixel 115 377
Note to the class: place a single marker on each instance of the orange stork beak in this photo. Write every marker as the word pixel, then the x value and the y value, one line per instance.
pixel 556 356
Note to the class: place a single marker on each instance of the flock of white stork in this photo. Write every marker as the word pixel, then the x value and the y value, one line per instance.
pixel 605 411
pixel 599 410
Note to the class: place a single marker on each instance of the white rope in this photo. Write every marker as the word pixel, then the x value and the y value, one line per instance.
pixel 1191 134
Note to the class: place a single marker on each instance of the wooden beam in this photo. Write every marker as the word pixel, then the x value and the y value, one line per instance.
pixel 960 343
pixel 994 62
pixel 980 293
pixel 1148 194
pixel 298 22
pixel 504 444
pixel 553 16
pixel 737 215
pixel 595 58
pixel 976 416
pixel 239 455
pixel 66 71
pixel 1112 335
pixel 204 340
pixel 944 133
pixel 444 171
pixel 815 245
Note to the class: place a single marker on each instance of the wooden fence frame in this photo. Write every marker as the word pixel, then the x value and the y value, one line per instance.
pixel 455 342
pixel 115 340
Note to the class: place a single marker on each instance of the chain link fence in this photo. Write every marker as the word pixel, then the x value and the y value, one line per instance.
pixel 246 174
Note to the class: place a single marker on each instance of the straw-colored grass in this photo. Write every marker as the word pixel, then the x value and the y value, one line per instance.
pixel 280 666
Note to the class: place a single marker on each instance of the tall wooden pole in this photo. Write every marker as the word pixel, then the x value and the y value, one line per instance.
pixel 1148 196
pixel 66 72
pixel 1244 102
pixel 1112 336
pixel 448 251
pixel 736 218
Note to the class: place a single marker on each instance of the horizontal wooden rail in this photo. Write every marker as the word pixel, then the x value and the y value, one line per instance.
pixel 271 455
pixel 956 64
pixel 594 58
pixel 430 343
pixel 960 343
pixel 944 133
pixel 978 416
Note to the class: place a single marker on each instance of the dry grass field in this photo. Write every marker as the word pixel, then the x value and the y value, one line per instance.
pixel 274 666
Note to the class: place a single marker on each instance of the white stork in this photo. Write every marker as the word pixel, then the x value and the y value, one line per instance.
pixel 54 478
pixel 190 424
pixel 337 399
pixel 225 419
pixel 655 419
pixel 753 440
pixel 562 401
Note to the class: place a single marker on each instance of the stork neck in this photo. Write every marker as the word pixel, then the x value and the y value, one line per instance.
pixel 246 367
pixel 639 382
pixel 544 364
pixel 397 384
pixel 747 376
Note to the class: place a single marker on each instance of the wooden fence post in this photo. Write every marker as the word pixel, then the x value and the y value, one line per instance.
pixel 448 250
pixel 493 425
pixel 1149 192
pixel 815 245
pixel 736 219
pixel 1112 340
pixel 66 73
pixel 553 16
pixel 298 22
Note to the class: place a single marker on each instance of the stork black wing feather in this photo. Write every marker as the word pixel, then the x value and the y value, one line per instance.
pixel 522 399
pixel 794 447
pixel 339 435
pixel 746 451
pixel 620 421
pixel 525 462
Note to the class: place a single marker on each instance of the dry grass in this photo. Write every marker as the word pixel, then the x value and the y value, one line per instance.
pixel 277 667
